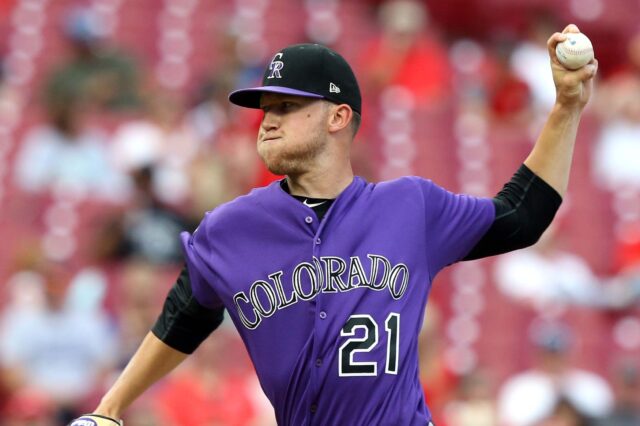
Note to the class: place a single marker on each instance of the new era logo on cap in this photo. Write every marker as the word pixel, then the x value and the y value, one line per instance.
pixel 309 70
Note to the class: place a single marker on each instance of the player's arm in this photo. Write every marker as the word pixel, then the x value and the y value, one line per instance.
pixel 524 208
pixel 528 202
pixel 182 325
pixel 153 360
pixel 551 156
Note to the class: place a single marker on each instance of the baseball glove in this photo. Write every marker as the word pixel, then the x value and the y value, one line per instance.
pixel 96 420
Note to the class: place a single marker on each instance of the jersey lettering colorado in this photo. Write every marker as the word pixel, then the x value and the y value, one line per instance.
pixel 330 311
pixel 322 275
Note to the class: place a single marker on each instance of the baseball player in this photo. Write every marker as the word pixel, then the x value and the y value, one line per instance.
pixel 326 276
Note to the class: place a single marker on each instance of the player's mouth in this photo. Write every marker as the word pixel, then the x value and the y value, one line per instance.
pixel 269 138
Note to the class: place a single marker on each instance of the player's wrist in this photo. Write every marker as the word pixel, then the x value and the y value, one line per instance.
pixel 109 409
pixel 96 420
pixel 565 109
pixel 110 414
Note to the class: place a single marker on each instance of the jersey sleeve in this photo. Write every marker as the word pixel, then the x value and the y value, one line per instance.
pixel 201 275
pixel 183 323
pixel 454 224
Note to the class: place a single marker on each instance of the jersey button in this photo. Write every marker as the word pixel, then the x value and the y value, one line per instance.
pixel 313 408
pixel 323 314
pixel 318 362
pixel 308 219
pixel 318 241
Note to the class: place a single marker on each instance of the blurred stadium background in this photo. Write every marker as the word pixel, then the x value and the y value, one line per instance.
pixel 115 134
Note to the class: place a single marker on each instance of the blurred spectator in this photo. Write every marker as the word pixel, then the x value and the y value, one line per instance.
pixel 67 153
pixel 509 96
pixel 215 181
pixel 51 348
pixel 474 405
pixel 29 408
pixel 549 279
pixel 138 304
pixel 10 100
pixel 159 141
pixel 616 156
pixel 438 381
pixel 627 255
pixel 626 382
pixel 148 229
pixel 627 266
pixel 220 127
pixel 546 277
pixel 564 414
pixel 530 59
pixel 531 396
pixel 218 385
pixel 407 53
pixel 212 112
pixel 245 170
pixel 95 70
pixel 623 288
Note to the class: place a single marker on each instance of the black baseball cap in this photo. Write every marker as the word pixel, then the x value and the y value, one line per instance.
pixel 309 70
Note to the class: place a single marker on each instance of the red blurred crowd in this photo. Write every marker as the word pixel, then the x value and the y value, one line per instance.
pixel 116 135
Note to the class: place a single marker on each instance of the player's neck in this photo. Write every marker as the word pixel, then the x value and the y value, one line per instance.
pixel 326 184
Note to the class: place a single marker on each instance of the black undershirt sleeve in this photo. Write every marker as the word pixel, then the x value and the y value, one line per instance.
pixel 524 209
pixel 184 323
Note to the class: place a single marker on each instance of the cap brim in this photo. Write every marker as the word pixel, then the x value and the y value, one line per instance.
pixel 250 98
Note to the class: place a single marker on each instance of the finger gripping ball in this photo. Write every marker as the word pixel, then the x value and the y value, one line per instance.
pixel 575 52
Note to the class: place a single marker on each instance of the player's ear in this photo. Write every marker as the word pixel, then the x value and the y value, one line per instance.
pixel 339 117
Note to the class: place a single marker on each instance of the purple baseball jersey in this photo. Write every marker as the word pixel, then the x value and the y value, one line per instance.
pixel 330 311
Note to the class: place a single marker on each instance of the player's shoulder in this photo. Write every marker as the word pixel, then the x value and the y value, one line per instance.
pixel 238 209
pixel 404 183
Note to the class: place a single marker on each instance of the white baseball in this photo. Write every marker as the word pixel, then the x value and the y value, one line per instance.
pixel 575 52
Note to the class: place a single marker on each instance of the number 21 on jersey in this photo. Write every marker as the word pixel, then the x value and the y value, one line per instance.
pixel 347 366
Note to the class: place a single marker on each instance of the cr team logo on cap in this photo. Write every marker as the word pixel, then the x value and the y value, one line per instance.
pixel 276 66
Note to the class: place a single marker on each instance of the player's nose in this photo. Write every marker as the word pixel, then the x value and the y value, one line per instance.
pixel 270 121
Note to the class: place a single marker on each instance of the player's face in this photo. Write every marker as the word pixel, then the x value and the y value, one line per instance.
pixel 293 132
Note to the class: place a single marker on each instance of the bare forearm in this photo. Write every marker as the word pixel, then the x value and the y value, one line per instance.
pixel 153 360
pixel 551 156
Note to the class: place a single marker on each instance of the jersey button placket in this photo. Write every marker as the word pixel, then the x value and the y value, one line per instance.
pixel 320 329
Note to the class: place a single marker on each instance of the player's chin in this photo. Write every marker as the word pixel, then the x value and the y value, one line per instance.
pixel 277 165
pixel 271 161
pixel 279 168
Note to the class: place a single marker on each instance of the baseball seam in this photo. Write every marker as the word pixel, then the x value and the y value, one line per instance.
pixel 569 50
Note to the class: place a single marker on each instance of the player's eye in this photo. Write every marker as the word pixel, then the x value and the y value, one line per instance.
pixel 287 106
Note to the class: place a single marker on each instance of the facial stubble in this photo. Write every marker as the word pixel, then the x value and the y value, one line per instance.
pixel 293 157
